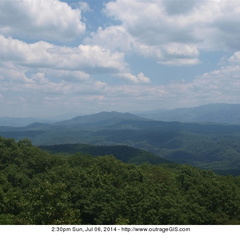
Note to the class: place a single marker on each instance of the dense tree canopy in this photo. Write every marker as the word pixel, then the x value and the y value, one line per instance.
pixel 37 187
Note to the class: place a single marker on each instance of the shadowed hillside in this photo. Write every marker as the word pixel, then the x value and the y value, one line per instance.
pixel 124 153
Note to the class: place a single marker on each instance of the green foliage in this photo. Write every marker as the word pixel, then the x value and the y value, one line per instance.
pixel 48 203
pixel 37 187
pixel 124 153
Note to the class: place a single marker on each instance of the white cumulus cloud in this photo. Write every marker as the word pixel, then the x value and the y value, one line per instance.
pixel 174 32
pixel 89 58
pixel 113 37
pixel 40 19
pixel 140 78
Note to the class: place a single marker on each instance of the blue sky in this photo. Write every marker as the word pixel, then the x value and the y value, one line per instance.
pixel 81 57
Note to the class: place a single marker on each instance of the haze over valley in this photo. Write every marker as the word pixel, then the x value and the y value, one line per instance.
pixel 207 144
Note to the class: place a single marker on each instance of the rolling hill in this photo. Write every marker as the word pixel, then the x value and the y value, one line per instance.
pixel 213 146
pixel 124 153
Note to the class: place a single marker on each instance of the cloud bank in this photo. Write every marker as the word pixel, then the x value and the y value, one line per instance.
pixel 51 62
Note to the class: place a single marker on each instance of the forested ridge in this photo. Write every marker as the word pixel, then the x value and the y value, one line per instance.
pixel 212 146
pixel 37 187
pixel 122 152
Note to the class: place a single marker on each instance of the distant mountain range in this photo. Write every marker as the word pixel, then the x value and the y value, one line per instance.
pixel 100 119
pixel 16 122
pixel 219 113
pixel 213 146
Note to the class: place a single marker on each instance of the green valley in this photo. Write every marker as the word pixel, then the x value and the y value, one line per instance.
pixel 213 146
